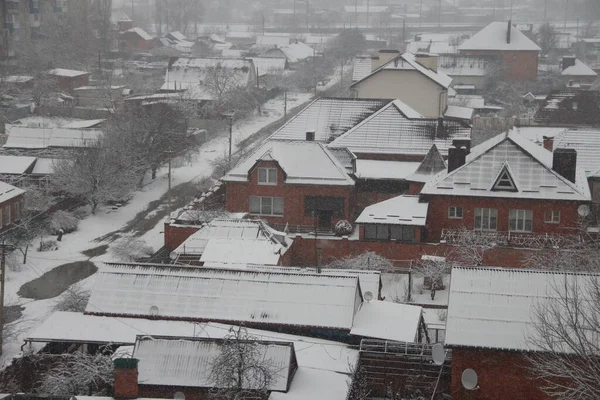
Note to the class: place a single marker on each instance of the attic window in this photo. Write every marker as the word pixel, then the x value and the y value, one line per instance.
pixel 505 182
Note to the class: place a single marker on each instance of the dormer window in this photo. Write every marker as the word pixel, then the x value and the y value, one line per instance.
pixel 267 176
pixel 505 182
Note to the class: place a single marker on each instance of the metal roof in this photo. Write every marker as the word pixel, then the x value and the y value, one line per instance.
pixel 387 320
pixel 361 68
pixel 177 361
pixel 587 144
pixel 201 294
pixel 400 210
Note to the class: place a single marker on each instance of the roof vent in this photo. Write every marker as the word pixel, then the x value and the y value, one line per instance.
pixel 310 135
pixel 508 31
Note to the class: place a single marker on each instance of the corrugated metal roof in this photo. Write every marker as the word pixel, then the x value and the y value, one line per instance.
pixel 304 162
pixel 225 295
pixel 495 307
pixel 530 166
pixel 393 130
pixel 387 320
pixel 361 68
pixel 328 117
pixel 400 210
pixel 41 138
pixel 189 362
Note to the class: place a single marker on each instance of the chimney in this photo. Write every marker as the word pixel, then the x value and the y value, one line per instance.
pixel 126 378
pixel 440 129
pixel 310 135
pixel 427 60
pixel 548 143
pixel 564 163
pixel 457 156
pixel 508 31
pixel 568 61
pixel 466 143
pixel 383 57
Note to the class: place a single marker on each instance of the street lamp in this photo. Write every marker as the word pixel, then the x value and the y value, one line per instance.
pixel 229 115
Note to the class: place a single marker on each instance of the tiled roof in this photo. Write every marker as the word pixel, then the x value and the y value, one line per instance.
pixel 361 68
pixel 587 144
pixel 400 210
pixel 389 131
pixel 495 307
pixel 570 107
pixel 328 117
pixel 188 362
pixel 493 37
pixel 201 294
pixel 530 166
pixel 304 162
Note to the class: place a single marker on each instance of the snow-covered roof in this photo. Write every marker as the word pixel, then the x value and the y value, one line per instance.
pixel 233 53
pixel 385 170
pixel 67 73
pixel 240 250
pixel 495 307
pixel 586 142
pixel 579 69
pixel 16 79
pixel 87 123
pixel 468 100
pixel 400 210
pixel 536 133
pixel 364 9
pixel 303 162
pixel 140 32
pixel 44 166
pixel 268 65
pixel 387 320
pixel 8 192
pixel 177 36
pixel 431 165
pixel 317 384
pixel 278 41
pixel 431 47
pixel 456 112
pixel 41 138
pixel 361 68
pixel 397 129
pixel 493 37
pixel 297 51
pixel 174 361
pixel 239 34
pixel 15 165
pixel 530 167
pixel 328 117
pixel 234 296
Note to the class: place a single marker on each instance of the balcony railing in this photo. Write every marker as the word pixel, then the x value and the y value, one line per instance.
pixel 508 239
pixel 306 229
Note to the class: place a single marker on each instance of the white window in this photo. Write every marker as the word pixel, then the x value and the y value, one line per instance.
pixel 486 219
pixel 520 220
pixel 552 217
pixel 261 205
pixel 390 232
pixel 455 212
pixel 267 176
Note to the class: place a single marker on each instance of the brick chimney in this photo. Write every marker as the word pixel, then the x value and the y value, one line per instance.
pixel 126 378
pixel 457 156
pixel 383 57
pixel 508 31
pixel 427 60
pixel 564 163
pixel 548 143
pixel 568 61
pixel 310 135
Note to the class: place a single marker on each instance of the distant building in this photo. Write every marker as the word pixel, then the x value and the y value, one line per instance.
pixel 570 107
pixel 68 79
pixel 12 201
pixel 135 39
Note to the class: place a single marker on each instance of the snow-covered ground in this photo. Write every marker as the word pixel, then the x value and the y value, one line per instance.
pixel 107 220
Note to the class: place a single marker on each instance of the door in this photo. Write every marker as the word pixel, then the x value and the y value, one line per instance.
pixel 324 217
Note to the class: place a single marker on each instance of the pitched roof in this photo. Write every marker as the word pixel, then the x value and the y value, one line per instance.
pixel 304 162
pixel 235 296
pixel 431 165
pixel 177 361
pixel 328 117
pixel 8 192
pixel 495 307
pixel 15 165
pixel 235 251
pixel 530 166
pixel 298 51
pixel 461 113
pixel 268 65
pixel 579 69
pixel 140 32
pixel 493 37
pixel 387 320
pixel 397 129
pixel 400 210
pixel 361 68
pixel 408 62
pixel 587 144
pixel 570 107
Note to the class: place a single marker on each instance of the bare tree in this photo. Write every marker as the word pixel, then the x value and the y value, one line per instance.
pixel 179 15
pixel 74 299
pixel 367 260
pixel 220 81
pixel 547 38
pixel 241 368
pixel 433 270
pixel 130 248
pixel 359 387
pixel 469 246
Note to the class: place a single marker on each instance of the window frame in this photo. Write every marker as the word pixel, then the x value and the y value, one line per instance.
pixel 262 206
pixel 551 220
pixel 455 209
pixel 373 232
pixel 267 176
pixel 492 213
pixel 8 214
pixel 520 218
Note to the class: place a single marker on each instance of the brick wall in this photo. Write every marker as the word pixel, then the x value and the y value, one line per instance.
pixel 176 234
pixel 520 65
pixel 126 383
pixel 68 84
pixel 502 375
pixel 437 218
pixel 14 216
pixel 168 392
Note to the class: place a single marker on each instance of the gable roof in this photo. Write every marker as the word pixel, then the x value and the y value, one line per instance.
pixel 328 117
pixel 361 67
pixel 431 165
pixel 493 37
pixel 188 362
pixel 530 166
pixel 219 295
pixel 408 62
pixel 8 192
pixel 579 69
pixel 140 32
pixel 494 307
pixel 398 129
pixel 303 162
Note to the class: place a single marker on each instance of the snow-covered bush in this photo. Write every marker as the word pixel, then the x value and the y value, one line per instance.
pixel 48 245
pixel 442 315
pixel 130 249
pixel 343 228
pixel 63 220
pixel 366 260
pixel 82 212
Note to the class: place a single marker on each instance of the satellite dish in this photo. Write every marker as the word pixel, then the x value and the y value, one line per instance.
pixel 179 396
pixel 469 379
pixel 583 210
pixel 154 311
pixel 368 296
pixel 438 353
pixel 173 255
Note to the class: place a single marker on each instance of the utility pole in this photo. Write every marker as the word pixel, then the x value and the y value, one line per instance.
pixel 169 190
pixel 229 117
pixel 285 106
pixel 3 248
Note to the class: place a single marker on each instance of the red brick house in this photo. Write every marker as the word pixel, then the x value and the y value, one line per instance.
pixel 68 79
pixel 12 200
pixel 135 39
pixel 509 187
pixel 518 54
pixel 299 183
